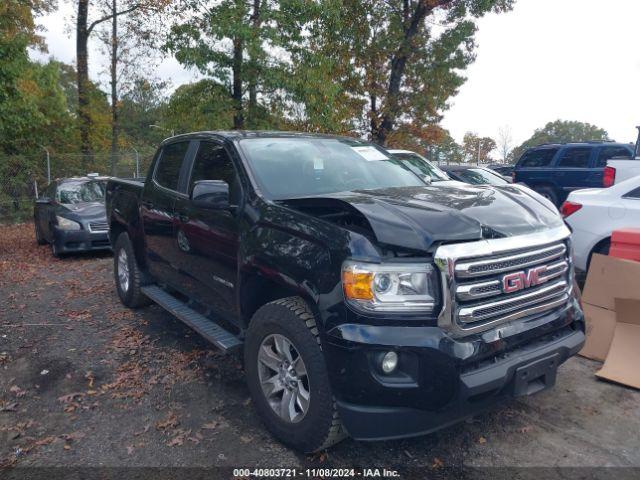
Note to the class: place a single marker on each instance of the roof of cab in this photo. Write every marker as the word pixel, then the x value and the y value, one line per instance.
pixel 242 134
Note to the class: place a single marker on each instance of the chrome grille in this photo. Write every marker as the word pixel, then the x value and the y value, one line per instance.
pixel 96 227
pixel 475 297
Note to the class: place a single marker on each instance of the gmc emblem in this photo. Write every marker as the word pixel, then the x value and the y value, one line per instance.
pixel 520 280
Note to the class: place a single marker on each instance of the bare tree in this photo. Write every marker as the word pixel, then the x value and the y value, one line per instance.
pixel 130 57
pixel 84 29
pixel 505 142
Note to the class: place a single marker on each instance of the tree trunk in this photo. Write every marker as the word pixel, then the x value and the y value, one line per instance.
pixel 115 121
pixel 82 56
pixel 399 63
pixel 236 94
pixel 253 73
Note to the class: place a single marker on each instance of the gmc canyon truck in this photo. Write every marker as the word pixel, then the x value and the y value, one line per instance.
pixel 368 301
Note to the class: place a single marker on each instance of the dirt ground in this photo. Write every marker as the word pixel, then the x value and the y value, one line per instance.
pixel 86 382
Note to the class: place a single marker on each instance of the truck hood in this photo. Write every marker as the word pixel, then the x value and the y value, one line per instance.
pixel 417 217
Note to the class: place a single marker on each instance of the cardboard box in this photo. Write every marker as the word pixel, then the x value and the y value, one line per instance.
pixel 601 323
pixel 609 278
pixel 622 361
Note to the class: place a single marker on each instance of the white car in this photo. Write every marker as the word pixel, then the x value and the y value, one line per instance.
pixel 423 167
pixel 594 213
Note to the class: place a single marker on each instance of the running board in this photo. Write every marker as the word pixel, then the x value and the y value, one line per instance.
pixel 214 333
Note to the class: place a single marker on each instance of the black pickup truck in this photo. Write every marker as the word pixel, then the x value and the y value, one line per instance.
pixel 368 302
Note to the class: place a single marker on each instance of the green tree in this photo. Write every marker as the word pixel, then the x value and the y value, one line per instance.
pixel 561 131
pixel 398 62
pixel 232 42
pixel 204 105
pixel 142 105
pixel 476 148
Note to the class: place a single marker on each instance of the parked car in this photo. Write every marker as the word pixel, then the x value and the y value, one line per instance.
pixel 367 302
pixel 503 169
pixel 594 213
pixel 70 215
pixel 555 170
pixel 420 165
pixel 475 175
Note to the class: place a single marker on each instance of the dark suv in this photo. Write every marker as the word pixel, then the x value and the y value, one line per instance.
pixel 554 170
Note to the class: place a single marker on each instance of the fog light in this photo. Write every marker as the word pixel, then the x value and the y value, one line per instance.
pixel 389 362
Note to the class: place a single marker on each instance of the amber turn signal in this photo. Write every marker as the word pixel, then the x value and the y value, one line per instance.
pixel 357 285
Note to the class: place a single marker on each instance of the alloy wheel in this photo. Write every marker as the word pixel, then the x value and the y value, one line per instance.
pixel 283 378
pixel 123 270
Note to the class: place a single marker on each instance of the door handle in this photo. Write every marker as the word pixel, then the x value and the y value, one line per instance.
pixel 182 217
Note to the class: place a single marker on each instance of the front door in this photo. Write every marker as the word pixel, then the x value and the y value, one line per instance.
pixel 208 239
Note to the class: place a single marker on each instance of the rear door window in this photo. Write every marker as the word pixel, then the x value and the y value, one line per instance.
pixel 167 173
pixel 633 194
pixel 575 157
pixel 538 158
pixel 607 153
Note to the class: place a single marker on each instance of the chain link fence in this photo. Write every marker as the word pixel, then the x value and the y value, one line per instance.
pixel 23 177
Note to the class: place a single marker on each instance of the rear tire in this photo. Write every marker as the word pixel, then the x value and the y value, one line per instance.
pixel 314 424
pixel 548 193
pixel 39 238
pixel 127 274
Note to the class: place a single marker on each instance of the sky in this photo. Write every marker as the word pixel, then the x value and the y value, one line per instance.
pixel 545 60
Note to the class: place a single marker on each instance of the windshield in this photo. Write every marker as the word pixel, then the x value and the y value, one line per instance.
pixel 422 166
pixel 480 176
pixel 81 192
pixel 297 167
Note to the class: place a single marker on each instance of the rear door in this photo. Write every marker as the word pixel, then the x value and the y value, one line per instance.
pixel 573 168
pixel 157 209
pixel 208 239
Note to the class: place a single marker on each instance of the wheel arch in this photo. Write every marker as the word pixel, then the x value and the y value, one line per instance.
pixel 258 289
pixel 597 247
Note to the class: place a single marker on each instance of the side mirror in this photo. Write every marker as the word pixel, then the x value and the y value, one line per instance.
pixel 426 179
pixel 210 194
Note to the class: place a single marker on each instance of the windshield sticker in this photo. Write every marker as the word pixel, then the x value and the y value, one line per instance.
pixel 318 164
pixel 371 154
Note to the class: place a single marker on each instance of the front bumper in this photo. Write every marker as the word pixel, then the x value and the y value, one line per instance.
pixel 69 241
pixel 441 380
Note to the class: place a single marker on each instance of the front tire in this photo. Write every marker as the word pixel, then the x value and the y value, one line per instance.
pixel 287 376
pixel 127 274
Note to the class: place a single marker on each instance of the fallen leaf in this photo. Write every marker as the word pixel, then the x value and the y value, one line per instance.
pixel 170 422
pixel 130 449
pixel 8 407
pixel 72 436
pixel 67 447
pixel 210 426
pixel 17 391
pixel 482 440
pixel 70 397
pixel 45 441
pixel 437 463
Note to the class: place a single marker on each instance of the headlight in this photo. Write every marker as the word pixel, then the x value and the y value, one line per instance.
pixel 66 224
pixel 390 287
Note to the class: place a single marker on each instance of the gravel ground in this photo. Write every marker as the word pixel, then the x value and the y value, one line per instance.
pixel 85 382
